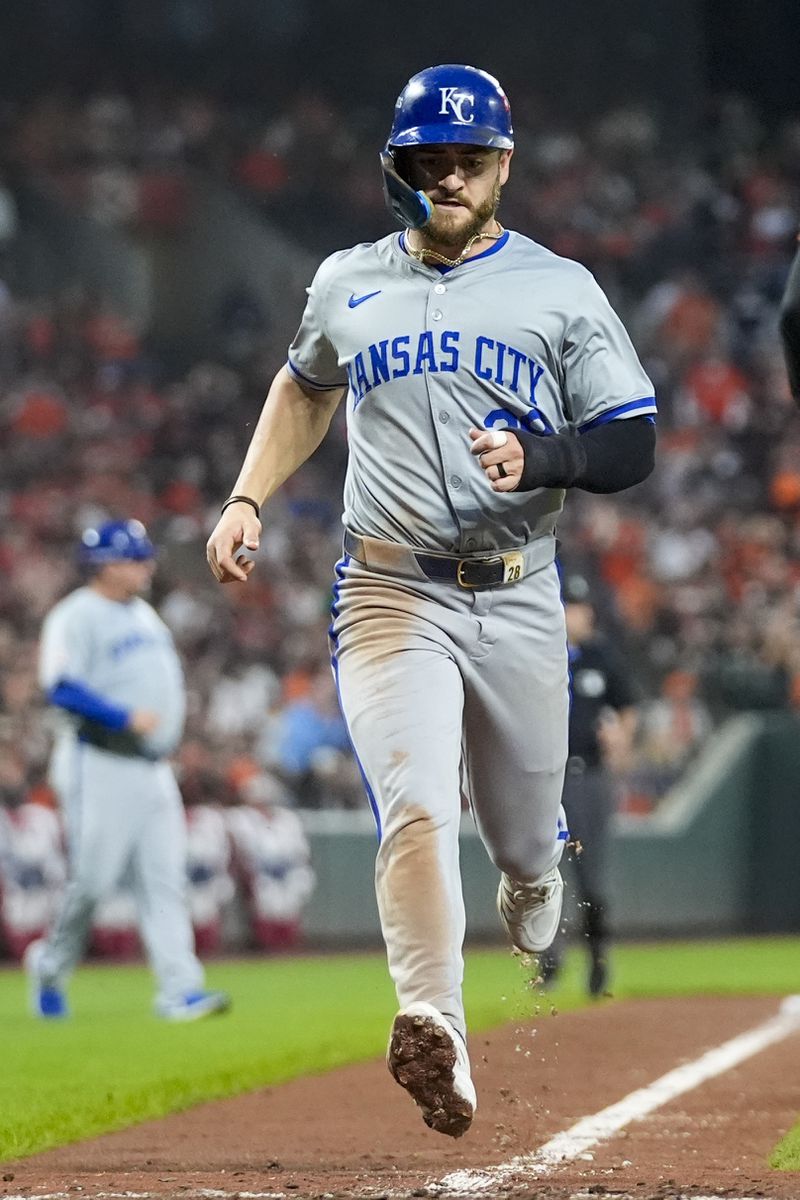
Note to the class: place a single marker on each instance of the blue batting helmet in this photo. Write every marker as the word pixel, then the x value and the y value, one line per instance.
pixel 115 541
pixel 452 103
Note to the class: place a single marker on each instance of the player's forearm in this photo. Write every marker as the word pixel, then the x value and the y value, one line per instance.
pixel 291 426
pixel 790 327
pixel 610 458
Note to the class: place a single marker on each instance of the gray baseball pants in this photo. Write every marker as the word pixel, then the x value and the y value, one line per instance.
pixel 124 820
pixel 447 693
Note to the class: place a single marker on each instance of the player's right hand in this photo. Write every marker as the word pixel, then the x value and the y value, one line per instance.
pixel 142 721
pixel 237 529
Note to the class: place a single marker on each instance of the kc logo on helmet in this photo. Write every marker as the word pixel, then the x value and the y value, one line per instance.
pixel 454 100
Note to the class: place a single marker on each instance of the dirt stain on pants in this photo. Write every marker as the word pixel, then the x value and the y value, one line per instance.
pixel 422 934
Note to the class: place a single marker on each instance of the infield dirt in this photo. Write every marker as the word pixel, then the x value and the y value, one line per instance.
pixel 354 1132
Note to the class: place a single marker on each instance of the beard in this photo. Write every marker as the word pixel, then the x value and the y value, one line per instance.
pixel 445 228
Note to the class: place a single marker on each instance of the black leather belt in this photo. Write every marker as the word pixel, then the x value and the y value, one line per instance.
pixel 466 572
pixel 492 571
pixel 113 741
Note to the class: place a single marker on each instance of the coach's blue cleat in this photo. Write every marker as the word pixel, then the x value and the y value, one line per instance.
pixel 50 1003
pixel 45 999
pixel 194 1006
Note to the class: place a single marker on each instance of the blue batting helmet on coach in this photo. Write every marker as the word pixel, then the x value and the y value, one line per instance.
pixel 115 541
pixel 452 103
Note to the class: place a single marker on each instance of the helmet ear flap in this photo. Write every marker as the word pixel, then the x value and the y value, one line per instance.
pixel 411 208
pixel 400 158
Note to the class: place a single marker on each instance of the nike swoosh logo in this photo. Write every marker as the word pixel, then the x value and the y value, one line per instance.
pixel 355 300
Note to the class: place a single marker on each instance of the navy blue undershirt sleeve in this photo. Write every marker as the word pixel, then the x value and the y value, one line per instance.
pixel 608 458
pixel 77 698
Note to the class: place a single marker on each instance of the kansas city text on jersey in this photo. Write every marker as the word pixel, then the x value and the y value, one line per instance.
pixel 406 354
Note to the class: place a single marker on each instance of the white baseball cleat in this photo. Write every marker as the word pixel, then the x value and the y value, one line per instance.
pixel 531 911
pixel 428 1058
pixel 194 1007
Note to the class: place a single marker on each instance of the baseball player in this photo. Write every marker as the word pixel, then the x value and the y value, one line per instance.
pixel 483 375
pixel 108 664
pixel 790 326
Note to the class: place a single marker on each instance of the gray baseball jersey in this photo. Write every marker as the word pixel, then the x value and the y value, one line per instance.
pixel 124 815
pixel 124 652
pixel 450 691
pixel 516 337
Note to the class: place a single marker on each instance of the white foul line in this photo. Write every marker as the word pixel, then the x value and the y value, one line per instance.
pixel 567 1146
pixel 222 1195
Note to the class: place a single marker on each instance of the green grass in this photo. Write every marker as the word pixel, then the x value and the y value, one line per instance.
pixel 113 1064
pixel 786 1155
pixel 738 967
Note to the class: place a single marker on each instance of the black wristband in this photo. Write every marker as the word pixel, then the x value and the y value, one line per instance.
pixel 241 500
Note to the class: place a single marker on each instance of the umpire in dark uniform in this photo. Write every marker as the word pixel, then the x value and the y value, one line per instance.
pixel 790 326
pixel 602 703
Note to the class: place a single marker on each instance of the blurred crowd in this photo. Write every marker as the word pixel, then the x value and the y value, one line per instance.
pixel 697 572
pixel 87 428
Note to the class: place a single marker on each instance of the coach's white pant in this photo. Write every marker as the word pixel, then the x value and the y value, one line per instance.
pixel 449 692
pixel 124 819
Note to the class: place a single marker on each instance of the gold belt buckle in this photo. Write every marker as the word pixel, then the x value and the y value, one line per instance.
pixel 461 581
pixel 513 563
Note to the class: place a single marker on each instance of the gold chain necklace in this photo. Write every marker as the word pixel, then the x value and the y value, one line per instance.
pixel 419 255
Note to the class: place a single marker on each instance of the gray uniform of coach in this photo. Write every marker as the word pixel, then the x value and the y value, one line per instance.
pixel 123 812
pixel 446 690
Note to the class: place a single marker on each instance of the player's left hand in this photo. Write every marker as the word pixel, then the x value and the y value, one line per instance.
pixel 501 455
